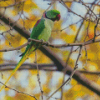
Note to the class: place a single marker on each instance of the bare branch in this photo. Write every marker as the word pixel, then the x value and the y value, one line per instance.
pixel 38 76
pixel 46 67
pixel 58 62
pixel 66 82
pixel 18 91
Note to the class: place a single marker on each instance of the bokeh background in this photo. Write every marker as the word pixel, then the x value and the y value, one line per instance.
pixel 75 26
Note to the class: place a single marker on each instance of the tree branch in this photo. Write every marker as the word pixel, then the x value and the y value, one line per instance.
pixel 52 45
pixel 46 67
pixel 18 91
pixel 58 62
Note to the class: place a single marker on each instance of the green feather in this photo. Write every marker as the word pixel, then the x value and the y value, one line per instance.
pixel 38 29
pixel 35 33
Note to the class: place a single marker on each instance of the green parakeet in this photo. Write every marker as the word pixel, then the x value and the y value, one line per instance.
pixel 42 30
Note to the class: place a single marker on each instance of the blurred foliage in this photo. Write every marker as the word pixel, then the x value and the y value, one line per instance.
pixel 26 13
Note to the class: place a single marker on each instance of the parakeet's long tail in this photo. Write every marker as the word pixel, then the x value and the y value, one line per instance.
pixel 24 57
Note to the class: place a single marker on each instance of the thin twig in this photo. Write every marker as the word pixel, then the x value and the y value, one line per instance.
pixel 17 48
pixel 69 79
pixel 96 28
pixel 52 45
pixel 38 76
pixel 66 82
pixel 18 91
pixel 46 67
pixel 12 4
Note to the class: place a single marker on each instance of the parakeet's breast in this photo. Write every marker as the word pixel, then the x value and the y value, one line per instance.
pixel 46 33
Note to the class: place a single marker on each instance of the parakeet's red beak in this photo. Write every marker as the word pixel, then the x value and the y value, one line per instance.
pixel 58 17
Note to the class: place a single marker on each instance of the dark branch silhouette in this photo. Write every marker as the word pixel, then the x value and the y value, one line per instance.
pixel 58 62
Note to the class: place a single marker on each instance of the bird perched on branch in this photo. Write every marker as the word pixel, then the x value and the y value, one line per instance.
pixel 41 31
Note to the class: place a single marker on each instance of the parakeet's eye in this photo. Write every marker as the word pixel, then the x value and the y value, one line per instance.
pixel 58 17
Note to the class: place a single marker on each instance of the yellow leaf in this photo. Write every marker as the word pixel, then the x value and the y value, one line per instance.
pixel 68 38
pixel 73 27
pixel 33 81
pixel 30 22
pixel 4 3
pixel 97 9
pixel 29 5
pixel 73 82
pixel 90 27
pixel 6 89
pixel 46 89
pixel 69 4
pixel 92 66
pixel 91 55
pixel 3 28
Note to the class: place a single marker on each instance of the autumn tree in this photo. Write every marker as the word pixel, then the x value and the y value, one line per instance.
pixel 66 67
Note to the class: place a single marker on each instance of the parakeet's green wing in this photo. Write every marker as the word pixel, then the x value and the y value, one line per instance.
pixel 37 30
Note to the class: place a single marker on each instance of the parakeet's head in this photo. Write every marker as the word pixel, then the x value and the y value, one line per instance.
pixel 52 15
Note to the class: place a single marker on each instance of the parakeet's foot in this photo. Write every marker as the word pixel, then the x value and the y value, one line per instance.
pixel 29 39
pixel 47 43
pixel 42 40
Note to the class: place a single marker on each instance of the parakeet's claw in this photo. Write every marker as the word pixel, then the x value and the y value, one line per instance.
pixel 29 39
pixel 47 43
pixel 42 40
